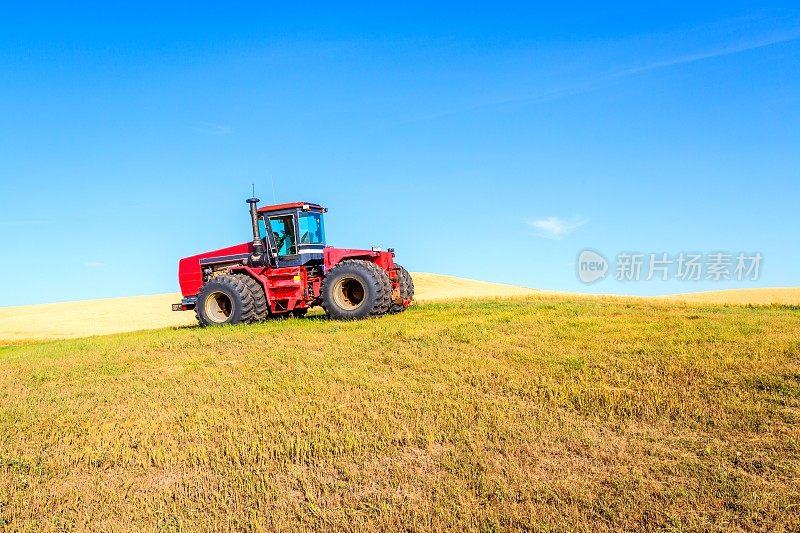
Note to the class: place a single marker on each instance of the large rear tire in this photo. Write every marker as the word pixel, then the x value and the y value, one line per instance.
pixel 356 289
pixel 224 300
pixel 406 289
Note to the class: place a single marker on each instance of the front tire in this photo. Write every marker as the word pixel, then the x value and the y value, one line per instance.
pixel 260 305
pixel 224 300
pixel 356 289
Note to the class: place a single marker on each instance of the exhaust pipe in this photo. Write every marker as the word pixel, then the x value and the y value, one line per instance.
pixel 258 246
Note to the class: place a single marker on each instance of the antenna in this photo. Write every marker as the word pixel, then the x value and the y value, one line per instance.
pixel 254 190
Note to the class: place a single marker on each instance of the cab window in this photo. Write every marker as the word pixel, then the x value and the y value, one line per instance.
pixel 311 229
pixel 283 232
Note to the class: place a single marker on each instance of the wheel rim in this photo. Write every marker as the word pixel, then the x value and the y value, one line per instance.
pixel 218 307
pixel 348 293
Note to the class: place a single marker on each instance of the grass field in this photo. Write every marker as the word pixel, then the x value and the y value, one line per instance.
pixel 760 296
pixel 544 412
pixel 117 315
pixel 33 323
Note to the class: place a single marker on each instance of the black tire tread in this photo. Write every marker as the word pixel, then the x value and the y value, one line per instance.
pixel 236 284
pixel 406 289
pixel 384 294
pixel 260 306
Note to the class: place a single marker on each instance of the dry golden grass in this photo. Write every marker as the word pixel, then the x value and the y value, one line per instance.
pixel 90 317
pixel 535 413
pixel 117 315
pixel 763 296
pixel 437 287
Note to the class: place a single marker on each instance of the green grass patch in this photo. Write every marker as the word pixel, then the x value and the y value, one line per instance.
pixel 540 413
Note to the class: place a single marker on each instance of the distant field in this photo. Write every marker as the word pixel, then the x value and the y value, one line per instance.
pixel 33 323
pixel 117 315
pixel 764 296
pixel 537 413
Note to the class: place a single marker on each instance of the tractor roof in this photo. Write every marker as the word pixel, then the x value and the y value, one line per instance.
pixel 292 205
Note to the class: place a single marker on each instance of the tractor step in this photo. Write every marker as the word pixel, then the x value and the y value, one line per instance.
pixel 187 304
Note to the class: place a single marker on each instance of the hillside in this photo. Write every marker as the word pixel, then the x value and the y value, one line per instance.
pixel 760 296
pixel 117 315
pixel 537 413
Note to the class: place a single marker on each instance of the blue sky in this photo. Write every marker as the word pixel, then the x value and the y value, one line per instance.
pixel 493 142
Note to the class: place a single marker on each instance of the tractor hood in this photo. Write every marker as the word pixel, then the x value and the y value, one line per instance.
pixel 190 269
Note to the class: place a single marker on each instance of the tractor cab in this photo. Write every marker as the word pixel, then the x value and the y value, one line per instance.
pixel 296 232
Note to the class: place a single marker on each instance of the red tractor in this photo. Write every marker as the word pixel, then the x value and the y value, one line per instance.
pixel 287 269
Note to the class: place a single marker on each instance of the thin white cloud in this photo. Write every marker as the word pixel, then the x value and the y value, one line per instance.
pixel 215 129
pixel 21 223
pixel 730 49
pixel 555 227
pixel 94 264
pixel 613 77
